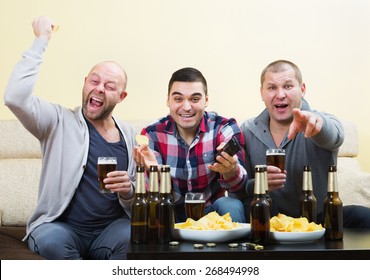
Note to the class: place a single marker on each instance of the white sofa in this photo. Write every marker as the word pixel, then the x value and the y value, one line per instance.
pixel 20 164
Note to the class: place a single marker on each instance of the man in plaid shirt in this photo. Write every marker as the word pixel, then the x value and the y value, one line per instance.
pixel 188 140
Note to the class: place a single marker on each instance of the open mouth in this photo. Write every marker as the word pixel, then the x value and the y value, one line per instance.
pixel 187 116
pixel 281 106
pixel 95 102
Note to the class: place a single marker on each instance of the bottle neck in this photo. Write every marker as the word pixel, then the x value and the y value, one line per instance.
pixel 259 184
pixel 140 183
pixel 332 182
pixel 153 182
pixel 307 181
pixel 165 185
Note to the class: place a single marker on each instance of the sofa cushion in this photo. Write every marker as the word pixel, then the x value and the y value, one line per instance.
pixel 17 142
pixel 19 180
pixel 11 246
pixel 353 183
pixel 349 147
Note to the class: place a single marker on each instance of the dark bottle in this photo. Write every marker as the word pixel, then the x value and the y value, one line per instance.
pixel 308 199
pixel 153 196
pixel 165 207
pixel 333 208
pixel 139 210
pixel 266 183
pixel 260 210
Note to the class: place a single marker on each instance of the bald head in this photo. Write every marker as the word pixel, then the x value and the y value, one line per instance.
pixel 113 69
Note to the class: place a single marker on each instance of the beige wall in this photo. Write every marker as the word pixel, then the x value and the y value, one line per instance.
pixel 229 41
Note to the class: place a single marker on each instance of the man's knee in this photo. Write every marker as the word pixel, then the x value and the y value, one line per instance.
pixel 234 206
pixel 53 242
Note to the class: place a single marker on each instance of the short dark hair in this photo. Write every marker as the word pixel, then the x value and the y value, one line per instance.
pixel 279 66
pixel 188 74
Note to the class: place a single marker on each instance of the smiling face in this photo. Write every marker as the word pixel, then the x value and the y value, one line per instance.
pixel 103 89
pixel 187 102
pixel 282 92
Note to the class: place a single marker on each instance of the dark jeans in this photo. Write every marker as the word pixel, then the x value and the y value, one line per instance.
pixel 58 240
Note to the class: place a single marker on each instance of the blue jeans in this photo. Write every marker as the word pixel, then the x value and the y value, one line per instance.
pixel 228 204
pixel 58 240
pixel 222 206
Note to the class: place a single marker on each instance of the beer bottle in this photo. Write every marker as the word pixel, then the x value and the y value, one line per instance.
pixel 308 199
pixel 333 208
pixel 153 196
pixel 260 210
pixel 165 207
pixel 139 210
pixel 268 197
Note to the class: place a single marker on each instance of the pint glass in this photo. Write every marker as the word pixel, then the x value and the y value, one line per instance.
pixel 105 165
pixel 194 205
pixel 276 157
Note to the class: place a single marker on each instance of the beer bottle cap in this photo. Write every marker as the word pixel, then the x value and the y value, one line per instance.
pixel 260 168
pixel 307 168
pixel 153 168
pixel 332 168
pixel 140 168
pixel 165 168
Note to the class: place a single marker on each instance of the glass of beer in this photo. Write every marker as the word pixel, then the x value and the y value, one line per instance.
pixel 194 205
pixel 105 165
pixel 276 157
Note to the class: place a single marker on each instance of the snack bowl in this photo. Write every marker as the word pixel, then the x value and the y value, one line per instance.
pixel 213 235
pixel 296 237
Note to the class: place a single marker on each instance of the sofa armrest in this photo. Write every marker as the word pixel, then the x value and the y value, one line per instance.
pixel 354 184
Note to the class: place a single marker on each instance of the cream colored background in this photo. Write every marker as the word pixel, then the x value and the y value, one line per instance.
pixel 229 41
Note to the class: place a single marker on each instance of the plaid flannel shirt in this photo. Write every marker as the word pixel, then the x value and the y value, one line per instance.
pixel 189 164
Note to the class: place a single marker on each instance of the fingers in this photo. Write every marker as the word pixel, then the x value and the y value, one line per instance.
pixel 307 122
pixel 138 156
pixel 294 127
pixel 314 125
pixel 118 181
pixel 276 178
pixel 219 148
pixel 43 27
pixel 273 169
pixel 226 165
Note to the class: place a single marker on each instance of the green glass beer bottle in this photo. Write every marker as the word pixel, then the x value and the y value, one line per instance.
pixel 260 210
pixel 139 210
pixel 165 207
pixel 333 208
pixel 153 196
pixel 268 197
pixel 308 199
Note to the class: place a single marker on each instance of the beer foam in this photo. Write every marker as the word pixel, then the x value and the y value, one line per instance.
pixel 107 161
pixel 195 201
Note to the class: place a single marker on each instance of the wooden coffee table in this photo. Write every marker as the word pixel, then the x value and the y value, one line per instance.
pixel 355 245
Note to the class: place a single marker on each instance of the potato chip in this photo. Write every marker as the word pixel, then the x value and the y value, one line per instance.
pixel 284 223
pixel 211 221
pixel 142 139
pixel 54 28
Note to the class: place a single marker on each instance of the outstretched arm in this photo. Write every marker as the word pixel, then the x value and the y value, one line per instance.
pixel 305 121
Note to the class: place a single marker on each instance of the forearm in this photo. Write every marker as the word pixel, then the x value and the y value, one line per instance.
pixel 331 135
pixel 126 200
pixel 236 182
pixel 18 94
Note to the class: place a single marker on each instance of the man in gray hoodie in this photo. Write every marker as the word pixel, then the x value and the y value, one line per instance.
pixel 309 137
pixel 72 219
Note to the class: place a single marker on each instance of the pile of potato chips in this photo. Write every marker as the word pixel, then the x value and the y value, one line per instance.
pixel 283 223
pixel 211 221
